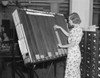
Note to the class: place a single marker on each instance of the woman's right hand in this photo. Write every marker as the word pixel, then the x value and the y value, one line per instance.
pixel 57 27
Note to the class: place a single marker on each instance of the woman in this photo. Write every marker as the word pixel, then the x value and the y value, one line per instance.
pixel 74 55
pixel 5 37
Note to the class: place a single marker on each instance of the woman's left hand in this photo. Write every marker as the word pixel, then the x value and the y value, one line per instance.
pixel 60 45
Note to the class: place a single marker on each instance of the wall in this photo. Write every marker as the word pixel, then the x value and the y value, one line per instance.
pixel 6 13
pixel 84 8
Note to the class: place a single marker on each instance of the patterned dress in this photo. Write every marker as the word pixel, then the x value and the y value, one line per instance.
pixel 74 55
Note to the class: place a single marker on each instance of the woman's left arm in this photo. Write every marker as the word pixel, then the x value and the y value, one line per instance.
pixel 67 45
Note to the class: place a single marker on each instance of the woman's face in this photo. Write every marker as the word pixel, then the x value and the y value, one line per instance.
pixel 70 22
pixel 4 34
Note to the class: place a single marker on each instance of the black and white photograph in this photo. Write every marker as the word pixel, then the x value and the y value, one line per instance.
pixel 49 38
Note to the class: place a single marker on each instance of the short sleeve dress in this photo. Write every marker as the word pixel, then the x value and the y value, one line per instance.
pixel 74 55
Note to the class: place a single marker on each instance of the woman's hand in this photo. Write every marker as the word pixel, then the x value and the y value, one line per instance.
pixel 63 46
pixel 57 27
pixel 60 45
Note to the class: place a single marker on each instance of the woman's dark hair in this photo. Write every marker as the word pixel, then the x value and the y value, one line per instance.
pixel 75 18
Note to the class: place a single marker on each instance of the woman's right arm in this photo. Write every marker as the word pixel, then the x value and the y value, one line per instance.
pixel 64 31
